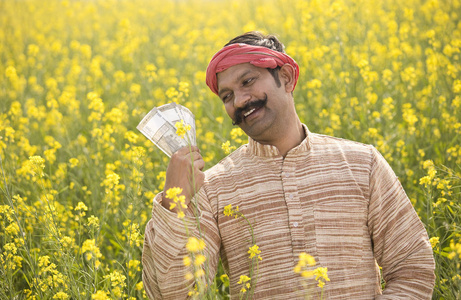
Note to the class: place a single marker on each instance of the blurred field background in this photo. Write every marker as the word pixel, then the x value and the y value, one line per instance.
pixel 76 77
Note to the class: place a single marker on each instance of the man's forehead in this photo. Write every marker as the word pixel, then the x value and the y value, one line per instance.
pixel 235 73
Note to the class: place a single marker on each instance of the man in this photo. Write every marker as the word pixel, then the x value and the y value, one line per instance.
pixel 334 199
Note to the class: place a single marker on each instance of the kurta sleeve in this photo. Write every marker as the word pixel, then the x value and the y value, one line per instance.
pixel 165 242
pixel 400 242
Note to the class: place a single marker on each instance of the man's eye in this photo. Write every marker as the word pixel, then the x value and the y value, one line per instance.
pixel 226 97
pixel 248 81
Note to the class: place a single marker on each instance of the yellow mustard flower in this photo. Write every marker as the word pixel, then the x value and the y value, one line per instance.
pixel 199 260
pixel 253 251
pixel 434 241
pixel 186 261
pixel 227 147
pixel 100 295
pixel 182 129
pixel 195 245
pixel 61 295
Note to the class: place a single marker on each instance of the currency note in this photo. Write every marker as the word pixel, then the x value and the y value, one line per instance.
pixel 159 127
pixel 176 113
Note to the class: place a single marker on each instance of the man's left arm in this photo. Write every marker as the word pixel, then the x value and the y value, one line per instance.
pixel 400 242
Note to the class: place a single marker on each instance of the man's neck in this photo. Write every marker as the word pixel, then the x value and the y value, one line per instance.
pixel 291 140
pixel 287 140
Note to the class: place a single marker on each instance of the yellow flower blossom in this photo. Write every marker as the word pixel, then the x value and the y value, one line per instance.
pixel 199 260
pixel 131 137
pixel 61 295
pixel 245 281
pixel 227 147
pixel 38 164
pixel 73 162
pixel 321 284
pixel 321 272
pixel 434 241
pixel 199 273
pixel 93 221
pixel 173 192
pixel 111 181
pixel 67 242
pixel 229 211
pixel 306 259
pixel 81 206
pixel 135 264
pixel 186 261
pixel 89 249
pixel 303 266
pixel 12 229
pixel 224 279
pixel 306 273
pixel 179 201
pixel 195 245
pixel 189 276
pixel 182 129
pixel 43 261
pixel 236 134
pixel 139 286
pixel 254 251
pixel 100 295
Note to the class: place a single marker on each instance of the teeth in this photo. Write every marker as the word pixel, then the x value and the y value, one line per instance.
pixel 249 112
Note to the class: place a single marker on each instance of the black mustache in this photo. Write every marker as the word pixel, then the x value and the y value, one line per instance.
pixel 238 116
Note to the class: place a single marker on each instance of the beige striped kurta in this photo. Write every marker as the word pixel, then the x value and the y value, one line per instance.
pixel 332 198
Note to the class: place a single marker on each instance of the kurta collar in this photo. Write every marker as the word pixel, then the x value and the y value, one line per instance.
pixel 258 149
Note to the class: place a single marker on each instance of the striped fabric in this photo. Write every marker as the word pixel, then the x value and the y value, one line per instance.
pixel 334 199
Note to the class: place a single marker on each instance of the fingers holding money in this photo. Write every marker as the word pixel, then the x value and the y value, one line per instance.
pixel 195 172
pixel 198 162
pixel 187 149
pixel 193 155
pixel 185 171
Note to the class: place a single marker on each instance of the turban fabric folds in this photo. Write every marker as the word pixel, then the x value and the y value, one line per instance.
pixel 235 54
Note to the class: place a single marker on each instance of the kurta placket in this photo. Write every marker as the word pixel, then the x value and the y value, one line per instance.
pixel 295 213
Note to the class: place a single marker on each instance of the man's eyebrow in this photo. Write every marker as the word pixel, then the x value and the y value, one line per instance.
pixel 236 80
pixel 243 75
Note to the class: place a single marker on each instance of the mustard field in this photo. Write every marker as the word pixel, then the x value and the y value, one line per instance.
pixel 77 179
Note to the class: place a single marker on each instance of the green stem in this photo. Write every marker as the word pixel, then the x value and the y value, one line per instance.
pixel 11 203
pixel 197 219
pixel 253 242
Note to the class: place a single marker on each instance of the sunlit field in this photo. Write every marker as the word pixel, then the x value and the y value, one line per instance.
pixel 77 179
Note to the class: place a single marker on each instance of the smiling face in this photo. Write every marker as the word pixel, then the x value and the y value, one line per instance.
pixel 253 99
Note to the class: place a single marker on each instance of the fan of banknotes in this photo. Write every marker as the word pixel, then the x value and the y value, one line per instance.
pixel 159 127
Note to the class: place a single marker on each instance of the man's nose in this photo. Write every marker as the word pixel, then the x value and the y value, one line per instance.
pixel 241 99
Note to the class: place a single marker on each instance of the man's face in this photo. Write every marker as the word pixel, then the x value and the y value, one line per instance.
pixel 251 96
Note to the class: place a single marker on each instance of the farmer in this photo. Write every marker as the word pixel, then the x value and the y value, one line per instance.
pixel 334 199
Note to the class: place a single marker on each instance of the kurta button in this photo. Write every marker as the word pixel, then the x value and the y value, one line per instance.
pixel 287 174
pixel 295 224
pixel 290 196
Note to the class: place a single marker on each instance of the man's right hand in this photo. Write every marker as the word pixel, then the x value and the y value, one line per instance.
pixel 185 169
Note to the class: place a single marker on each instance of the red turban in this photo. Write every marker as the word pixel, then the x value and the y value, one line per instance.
pixel 235 54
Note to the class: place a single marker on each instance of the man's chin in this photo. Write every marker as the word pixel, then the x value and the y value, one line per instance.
pixel 256 131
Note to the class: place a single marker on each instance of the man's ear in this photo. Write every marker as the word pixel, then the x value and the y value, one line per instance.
pixel 287 77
